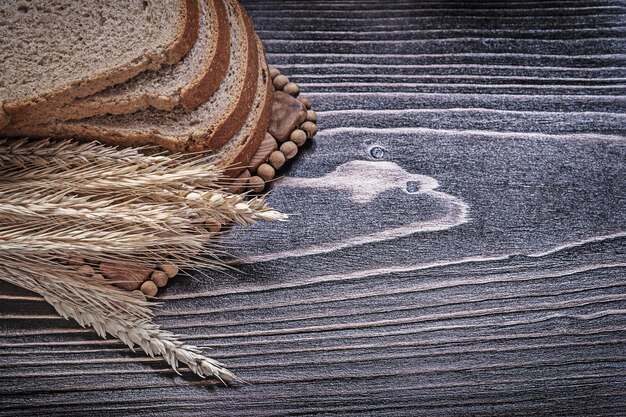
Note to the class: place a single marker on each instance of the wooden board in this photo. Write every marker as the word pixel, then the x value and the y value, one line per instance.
pixel 457 245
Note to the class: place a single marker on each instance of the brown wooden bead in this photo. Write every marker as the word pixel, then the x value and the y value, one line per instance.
pixel 290 149
pixel 274 72
pixel 311 116
pixel 302 116
pixel 169 268
pixel 256 184
pixel 310 128
pixel 125 275
pixel 292 89
pixel 298 137
pixel 280 81
pixel 213 226
pixel 149 288
pixel 277 159
pixel 266 172
pixel 306 102
pixel 160 278
pixel 85 270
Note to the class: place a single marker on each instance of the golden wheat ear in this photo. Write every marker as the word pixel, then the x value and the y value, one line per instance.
pixel 110 310
pixel 64 199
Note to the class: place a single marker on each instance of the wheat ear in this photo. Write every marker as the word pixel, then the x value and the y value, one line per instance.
pixel 60 199
pixel 108 310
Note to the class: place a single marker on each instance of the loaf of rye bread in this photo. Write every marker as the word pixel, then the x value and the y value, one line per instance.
pixel 187 83
pixel 57 50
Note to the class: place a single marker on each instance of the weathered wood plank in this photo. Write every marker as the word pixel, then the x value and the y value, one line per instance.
pixel 458 238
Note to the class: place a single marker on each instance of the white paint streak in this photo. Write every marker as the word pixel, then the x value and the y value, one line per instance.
pixel 540 254
pixel 470 259
pixel 394 112
pixel 488 279
pixel 301 77
pixel 464 85
pixel 438 40
pixel 445 66
pixel 534 275
pixel 293 55
pixel 329 133
pixel 452 96
pixel 448 31
pixel 363 181
pixel 363 3
pixel 576 244
pixel 320 10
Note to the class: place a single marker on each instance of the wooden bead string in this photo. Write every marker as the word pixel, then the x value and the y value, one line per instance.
pixel 128 277
pixel 256 179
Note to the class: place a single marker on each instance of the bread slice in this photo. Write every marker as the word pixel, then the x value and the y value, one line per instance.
pixel 187 83
pixel 54 51
pixel 206 128
pixel 237 153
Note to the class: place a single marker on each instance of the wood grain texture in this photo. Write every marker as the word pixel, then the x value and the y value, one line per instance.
pixel 472 263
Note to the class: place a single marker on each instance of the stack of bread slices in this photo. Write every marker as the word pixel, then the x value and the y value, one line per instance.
pixel 187 75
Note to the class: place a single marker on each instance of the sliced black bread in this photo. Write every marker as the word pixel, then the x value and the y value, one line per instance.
pixel 207 128
pixel 187 83
pixel 57 50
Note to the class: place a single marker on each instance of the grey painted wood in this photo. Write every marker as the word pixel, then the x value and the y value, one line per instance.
pixel 457 245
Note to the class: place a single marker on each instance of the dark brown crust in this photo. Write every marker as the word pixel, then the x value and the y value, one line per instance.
pixel 228 127
pixel 195 94
pixel 240 161
pixel 29 108
pixel 187 38
pixel 4 119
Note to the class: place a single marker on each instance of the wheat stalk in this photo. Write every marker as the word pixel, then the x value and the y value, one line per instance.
pixel 110 310
pixel 63 198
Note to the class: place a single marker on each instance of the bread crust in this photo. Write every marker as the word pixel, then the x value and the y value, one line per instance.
pixel 235 119
pixel 196 93
pixel 238 162
pixel 187 37
pixel 29 109
pixel 4 119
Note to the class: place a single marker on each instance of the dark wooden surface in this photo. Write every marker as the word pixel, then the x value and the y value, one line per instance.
pixel 501 292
